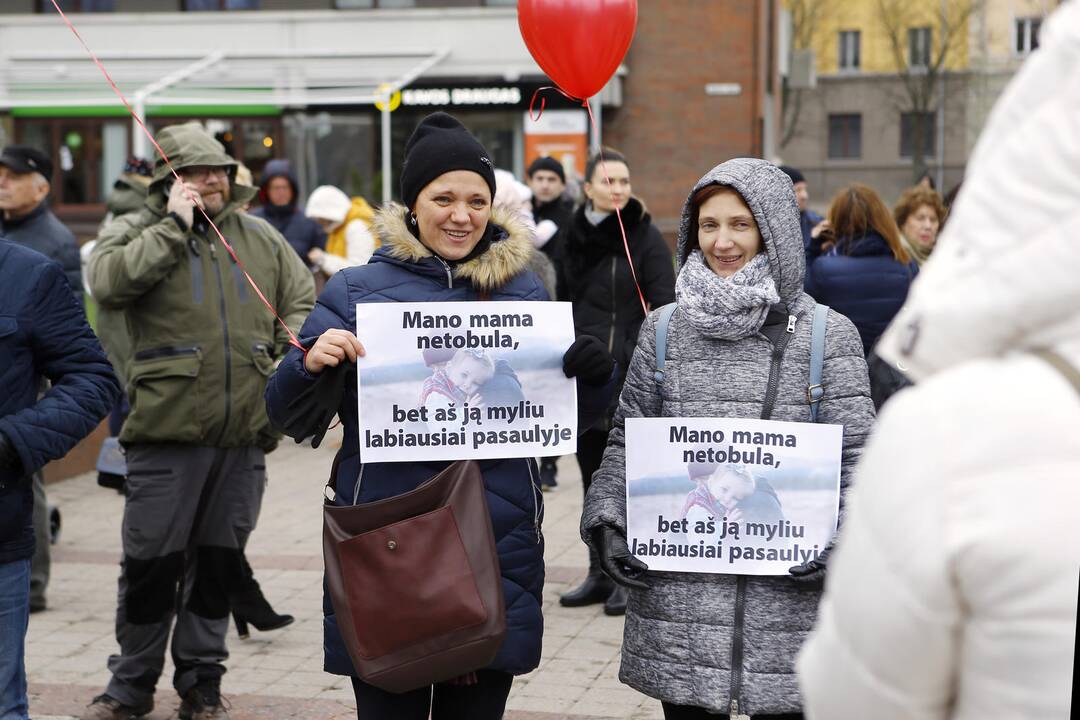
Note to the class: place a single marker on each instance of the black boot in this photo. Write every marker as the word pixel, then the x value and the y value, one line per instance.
pixel 596 588
pixel 616 601
pixel 250 606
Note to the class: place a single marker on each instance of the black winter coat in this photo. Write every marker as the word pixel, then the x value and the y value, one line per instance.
pixel 601 287
pixel 561 212
pixel 42 231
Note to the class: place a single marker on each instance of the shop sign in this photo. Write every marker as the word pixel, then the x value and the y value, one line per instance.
pixel 441 96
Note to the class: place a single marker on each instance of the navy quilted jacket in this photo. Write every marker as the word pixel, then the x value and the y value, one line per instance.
pixel 864 282
pixel 43 333
pixel 403 270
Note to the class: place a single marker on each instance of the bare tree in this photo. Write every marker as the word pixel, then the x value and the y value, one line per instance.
pixel 807 17
pixel 921 67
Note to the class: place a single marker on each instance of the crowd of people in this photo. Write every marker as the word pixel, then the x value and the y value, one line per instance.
pixel 938 603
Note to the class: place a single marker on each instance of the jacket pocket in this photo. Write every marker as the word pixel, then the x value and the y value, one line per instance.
pixel 165 395
pixel 253 404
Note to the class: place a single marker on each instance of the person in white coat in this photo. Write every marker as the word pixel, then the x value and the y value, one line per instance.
pixel 953 589
pixel 347 222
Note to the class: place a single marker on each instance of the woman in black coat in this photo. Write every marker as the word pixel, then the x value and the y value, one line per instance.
pixel 600 284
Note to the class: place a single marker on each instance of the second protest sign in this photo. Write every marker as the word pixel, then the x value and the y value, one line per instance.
pixel 465 380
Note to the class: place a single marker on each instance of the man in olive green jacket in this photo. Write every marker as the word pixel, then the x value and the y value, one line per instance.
pixel 202 347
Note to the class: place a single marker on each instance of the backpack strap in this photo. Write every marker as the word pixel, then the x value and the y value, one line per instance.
pixel 662 323
pixel 1062 365
pixel 815 390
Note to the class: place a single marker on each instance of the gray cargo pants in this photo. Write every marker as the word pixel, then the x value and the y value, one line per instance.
pixel 187 517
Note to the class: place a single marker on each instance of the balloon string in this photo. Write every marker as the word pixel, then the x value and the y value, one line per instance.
pixel 603 168
pixel 618 216
pixel 197 206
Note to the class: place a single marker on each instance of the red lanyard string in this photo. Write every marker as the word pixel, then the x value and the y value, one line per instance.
pixel 603 169
pixel 292 336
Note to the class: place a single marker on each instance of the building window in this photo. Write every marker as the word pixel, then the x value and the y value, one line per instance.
pixel 849 50
pixel 1027 35
pixel 845 136
pixel 70 6
pixel 202 5
pixel 919 47
pixel 924 122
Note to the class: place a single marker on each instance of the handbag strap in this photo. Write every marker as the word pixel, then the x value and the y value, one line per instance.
pixel 1063 366
pixel 815 390
pixel 662 324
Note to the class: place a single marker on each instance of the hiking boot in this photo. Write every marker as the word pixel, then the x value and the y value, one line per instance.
pixel 105 707
pixel 548 472
pixel 203 702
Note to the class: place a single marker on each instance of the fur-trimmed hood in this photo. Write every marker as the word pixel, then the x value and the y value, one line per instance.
pixel 508 255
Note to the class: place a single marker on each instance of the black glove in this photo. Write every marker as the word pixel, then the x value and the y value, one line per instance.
pixel 310 412
pixel 811 574
pixel 10 462
pixel 616 560
pixel 588 360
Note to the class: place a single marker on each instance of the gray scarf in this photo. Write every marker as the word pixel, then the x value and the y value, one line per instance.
pixel 726 308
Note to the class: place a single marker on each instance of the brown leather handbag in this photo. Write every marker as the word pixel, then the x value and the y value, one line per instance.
pixel 414 580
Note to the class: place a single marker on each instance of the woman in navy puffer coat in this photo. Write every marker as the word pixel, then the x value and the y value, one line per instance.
pixel 866 273
pixel 447 245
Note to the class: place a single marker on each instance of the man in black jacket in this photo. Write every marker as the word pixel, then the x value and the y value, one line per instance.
pixel 25 218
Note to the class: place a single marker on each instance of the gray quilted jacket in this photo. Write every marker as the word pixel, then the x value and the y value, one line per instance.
pixel 686 634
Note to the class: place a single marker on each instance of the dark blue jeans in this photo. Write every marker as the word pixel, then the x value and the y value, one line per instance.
pixel 14 616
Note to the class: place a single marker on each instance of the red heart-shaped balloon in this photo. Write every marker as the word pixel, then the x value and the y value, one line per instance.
pixel 578 43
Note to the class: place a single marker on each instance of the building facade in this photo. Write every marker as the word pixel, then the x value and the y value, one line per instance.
pixel 903 87
pixel 309 80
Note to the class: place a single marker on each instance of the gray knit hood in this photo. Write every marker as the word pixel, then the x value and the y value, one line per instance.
pixel 770 195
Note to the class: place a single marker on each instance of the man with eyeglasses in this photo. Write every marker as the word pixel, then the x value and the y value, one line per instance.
pixel 202 346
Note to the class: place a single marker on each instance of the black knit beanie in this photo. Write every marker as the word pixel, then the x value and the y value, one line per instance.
pixel 794 173
pixel 547 163
pixel 439 145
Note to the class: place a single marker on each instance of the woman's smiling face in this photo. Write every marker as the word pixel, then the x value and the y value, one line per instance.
pixel 727 233
pixel 452 213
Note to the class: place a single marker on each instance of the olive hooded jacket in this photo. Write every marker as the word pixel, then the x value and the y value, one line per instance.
pixel 202 342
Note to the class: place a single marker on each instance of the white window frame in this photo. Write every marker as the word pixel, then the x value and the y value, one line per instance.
pixel 849 51
pixel 920 41
pixel 1031 27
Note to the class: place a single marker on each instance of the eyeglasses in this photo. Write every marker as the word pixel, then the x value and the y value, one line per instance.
pixel 199 173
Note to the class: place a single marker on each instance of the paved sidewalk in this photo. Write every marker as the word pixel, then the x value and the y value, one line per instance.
pixel 279 674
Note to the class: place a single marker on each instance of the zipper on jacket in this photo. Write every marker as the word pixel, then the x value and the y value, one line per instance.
pixel 155 353
pixel 536 498
pixel 611 337
pixel 449 274
pixel 740 583
pixel 737 645
pixel 225 333
pixel 774 368
pixel 356 487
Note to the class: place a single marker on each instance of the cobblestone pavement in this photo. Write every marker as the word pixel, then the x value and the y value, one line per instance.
pixel 279 674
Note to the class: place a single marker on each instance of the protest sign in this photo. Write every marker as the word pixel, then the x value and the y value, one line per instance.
pixel 465 380
pixel 723 495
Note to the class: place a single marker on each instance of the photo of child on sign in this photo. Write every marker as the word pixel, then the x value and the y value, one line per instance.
pixel 730 491
pixel 715 495
pixel 465 380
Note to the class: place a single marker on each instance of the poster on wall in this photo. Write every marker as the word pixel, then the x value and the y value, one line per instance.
pixel 561 134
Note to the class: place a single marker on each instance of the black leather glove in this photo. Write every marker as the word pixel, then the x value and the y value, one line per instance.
pixel 811 574
pixel 10 462
pixel 616 560
pixel 309 413
pixel 588 360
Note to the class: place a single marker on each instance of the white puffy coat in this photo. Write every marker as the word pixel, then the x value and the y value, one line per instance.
pixel 953 590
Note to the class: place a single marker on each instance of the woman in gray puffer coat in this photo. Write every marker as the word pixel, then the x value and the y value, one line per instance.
pixel 738 347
